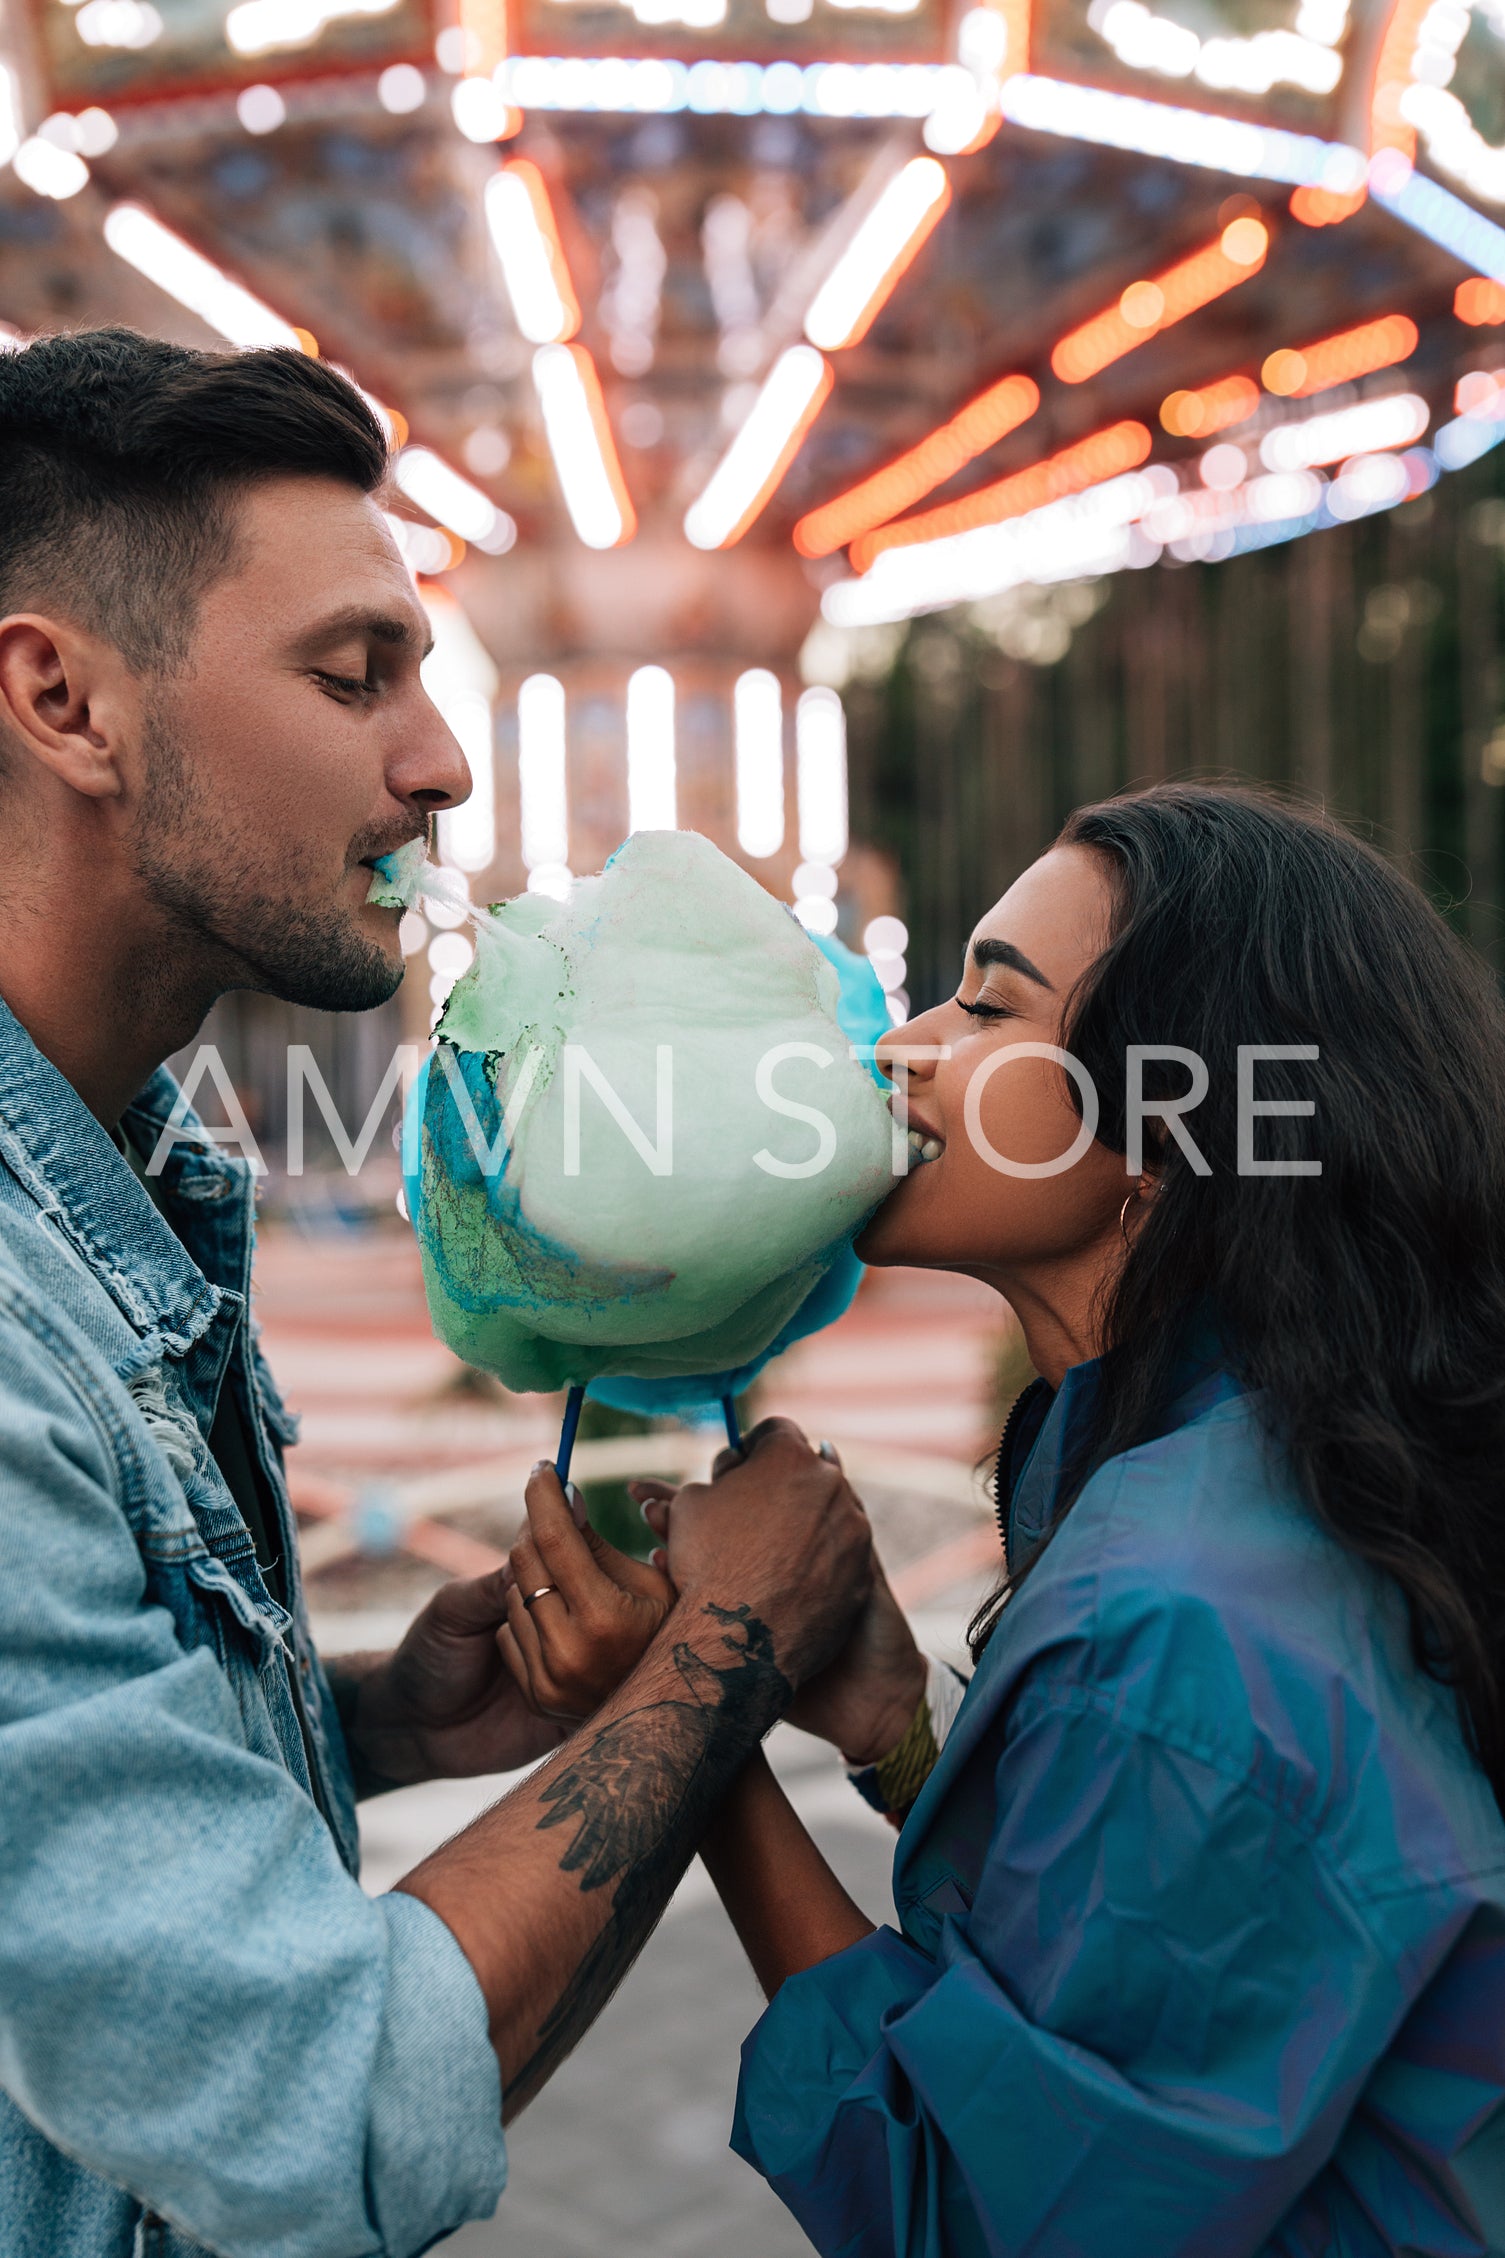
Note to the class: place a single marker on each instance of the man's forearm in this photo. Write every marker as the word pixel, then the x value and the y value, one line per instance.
pixel 554 1891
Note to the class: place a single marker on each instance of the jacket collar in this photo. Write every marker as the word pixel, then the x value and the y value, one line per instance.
pixel 1055 1430
pixel 73 1169
pixel 1046 1429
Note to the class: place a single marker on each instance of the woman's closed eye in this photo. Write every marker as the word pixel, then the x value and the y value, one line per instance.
pixel 987 1007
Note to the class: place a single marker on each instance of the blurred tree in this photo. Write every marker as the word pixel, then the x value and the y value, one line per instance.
pixel 1361 665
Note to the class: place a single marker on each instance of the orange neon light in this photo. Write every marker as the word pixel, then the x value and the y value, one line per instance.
pixel 596 403
pixel 1123 446
pixel 484 23
pixel 1020 16
pixel 1324 207
pixel 533 181
pixel 1197 415
pixel 994 413
pixel 1479 303
pixel 1392 75
pixel 1338 360
pixel 1148 307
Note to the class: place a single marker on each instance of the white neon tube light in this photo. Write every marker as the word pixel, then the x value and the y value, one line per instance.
pixel 1187 137
pixel 521 228
pixel 1435 212
pixel 820 737
pixel 758 713
pixel 48 170
pixel 459 676
pixel 1080 535
pixel 585 461
pixel 1371 428
pixel 541 774
pixel 138 236
pixel 790 399
pixel 429 481
pixel 651 797
pixel 256 27
pixel 855 289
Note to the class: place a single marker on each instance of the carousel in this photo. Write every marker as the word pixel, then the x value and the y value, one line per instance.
pixel 722 341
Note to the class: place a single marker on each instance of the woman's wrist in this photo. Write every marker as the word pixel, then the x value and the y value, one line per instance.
pixel 892 1715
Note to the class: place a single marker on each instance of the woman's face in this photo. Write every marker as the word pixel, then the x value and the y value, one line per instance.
pixel 960 1210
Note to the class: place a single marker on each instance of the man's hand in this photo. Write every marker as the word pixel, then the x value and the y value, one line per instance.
pixel 779 1530
pixel 865 1698
pixel 552 1893
pixel 443 1705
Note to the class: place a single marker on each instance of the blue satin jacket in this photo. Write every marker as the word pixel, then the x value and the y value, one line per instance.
pixel 1203 1910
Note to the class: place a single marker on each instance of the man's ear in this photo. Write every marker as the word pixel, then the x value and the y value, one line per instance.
pixel 70 701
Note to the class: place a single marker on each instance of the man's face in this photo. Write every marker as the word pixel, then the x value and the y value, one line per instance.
pixel 295 746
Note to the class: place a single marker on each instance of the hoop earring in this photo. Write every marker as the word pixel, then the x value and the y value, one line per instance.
pixel 1123 1218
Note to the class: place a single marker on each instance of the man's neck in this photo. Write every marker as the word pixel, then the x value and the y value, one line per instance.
pixel 104 1002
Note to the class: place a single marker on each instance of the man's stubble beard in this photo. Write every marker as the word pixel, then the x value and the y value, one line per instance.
pixel 224 895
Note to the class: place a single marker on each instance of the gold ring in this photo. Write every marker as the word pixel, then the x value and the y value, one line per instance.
pixel 541 1593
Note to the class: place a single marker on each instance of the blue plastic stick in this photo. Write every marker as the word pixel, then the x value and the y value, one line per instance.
pixel 733 1431
pixel 567 1433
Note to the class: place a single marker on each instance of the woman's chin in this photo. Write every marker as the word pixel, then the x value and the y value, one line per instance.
pixel 886 1237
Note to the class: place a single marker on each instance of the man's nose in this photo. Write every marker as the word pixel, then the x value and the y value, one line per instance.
pixel 431 771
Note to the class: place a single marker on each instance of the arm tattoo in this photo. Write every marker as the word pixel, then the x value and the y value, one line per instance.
pixel 638 1797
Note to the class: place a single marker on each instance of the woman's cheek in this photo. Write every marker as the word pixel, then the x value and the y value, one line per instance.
pixel 1021 1116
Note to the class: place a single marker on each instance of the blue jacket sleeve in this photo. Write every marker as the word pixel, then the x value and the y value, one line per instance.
pixel 1144 2038
pixel 197 2001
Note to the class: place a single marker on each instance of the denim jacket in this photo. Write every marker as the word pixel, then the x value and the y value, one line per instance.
pixel 1203 1907
pixel 210 2037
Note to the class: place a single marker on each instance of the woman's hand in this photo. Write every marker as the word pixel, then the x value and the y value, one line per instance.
pixel 579 1613
pixel 864 1699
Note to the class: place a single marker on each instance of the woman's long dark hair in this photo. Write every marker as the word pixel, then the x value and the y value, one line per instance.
pixel 1367 1304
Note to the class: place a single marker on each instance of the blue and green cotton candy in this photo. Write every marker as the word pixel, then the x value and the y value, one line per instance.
pixel 664 1292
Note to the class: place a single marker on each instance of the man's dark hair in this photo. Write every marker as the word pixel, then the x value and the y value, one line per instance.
pixel 121 460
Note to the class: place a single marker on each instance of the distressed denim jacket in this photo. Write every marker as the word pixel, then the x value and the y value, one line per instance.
pixel 210 2037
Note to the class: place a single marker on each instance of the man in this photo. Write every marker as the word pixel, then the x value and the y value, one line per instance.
pixel 211 725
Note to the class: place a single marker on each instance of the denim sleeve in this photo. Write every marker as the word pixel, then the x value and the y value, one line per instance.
pixel 1144 2038
pixel 197 2001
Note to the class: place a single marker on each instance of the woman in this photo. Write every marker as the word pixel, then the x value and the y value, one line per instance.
pixel 1203 1891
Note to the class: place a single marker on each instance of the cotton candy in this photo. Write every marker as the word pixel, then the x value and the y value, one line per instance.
pixel 400 876
pixel 576 1251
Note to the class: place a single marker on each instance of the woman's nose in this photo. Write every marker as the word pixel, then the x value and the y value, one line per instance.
pixel 895 1051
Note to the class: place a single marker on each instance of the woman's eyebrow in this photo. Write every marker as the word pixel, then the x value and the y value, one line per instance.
pixel 1004 952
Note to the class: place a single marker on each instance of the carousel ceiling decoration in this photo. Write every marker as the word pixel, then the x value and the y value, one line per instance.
pixel 931 301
